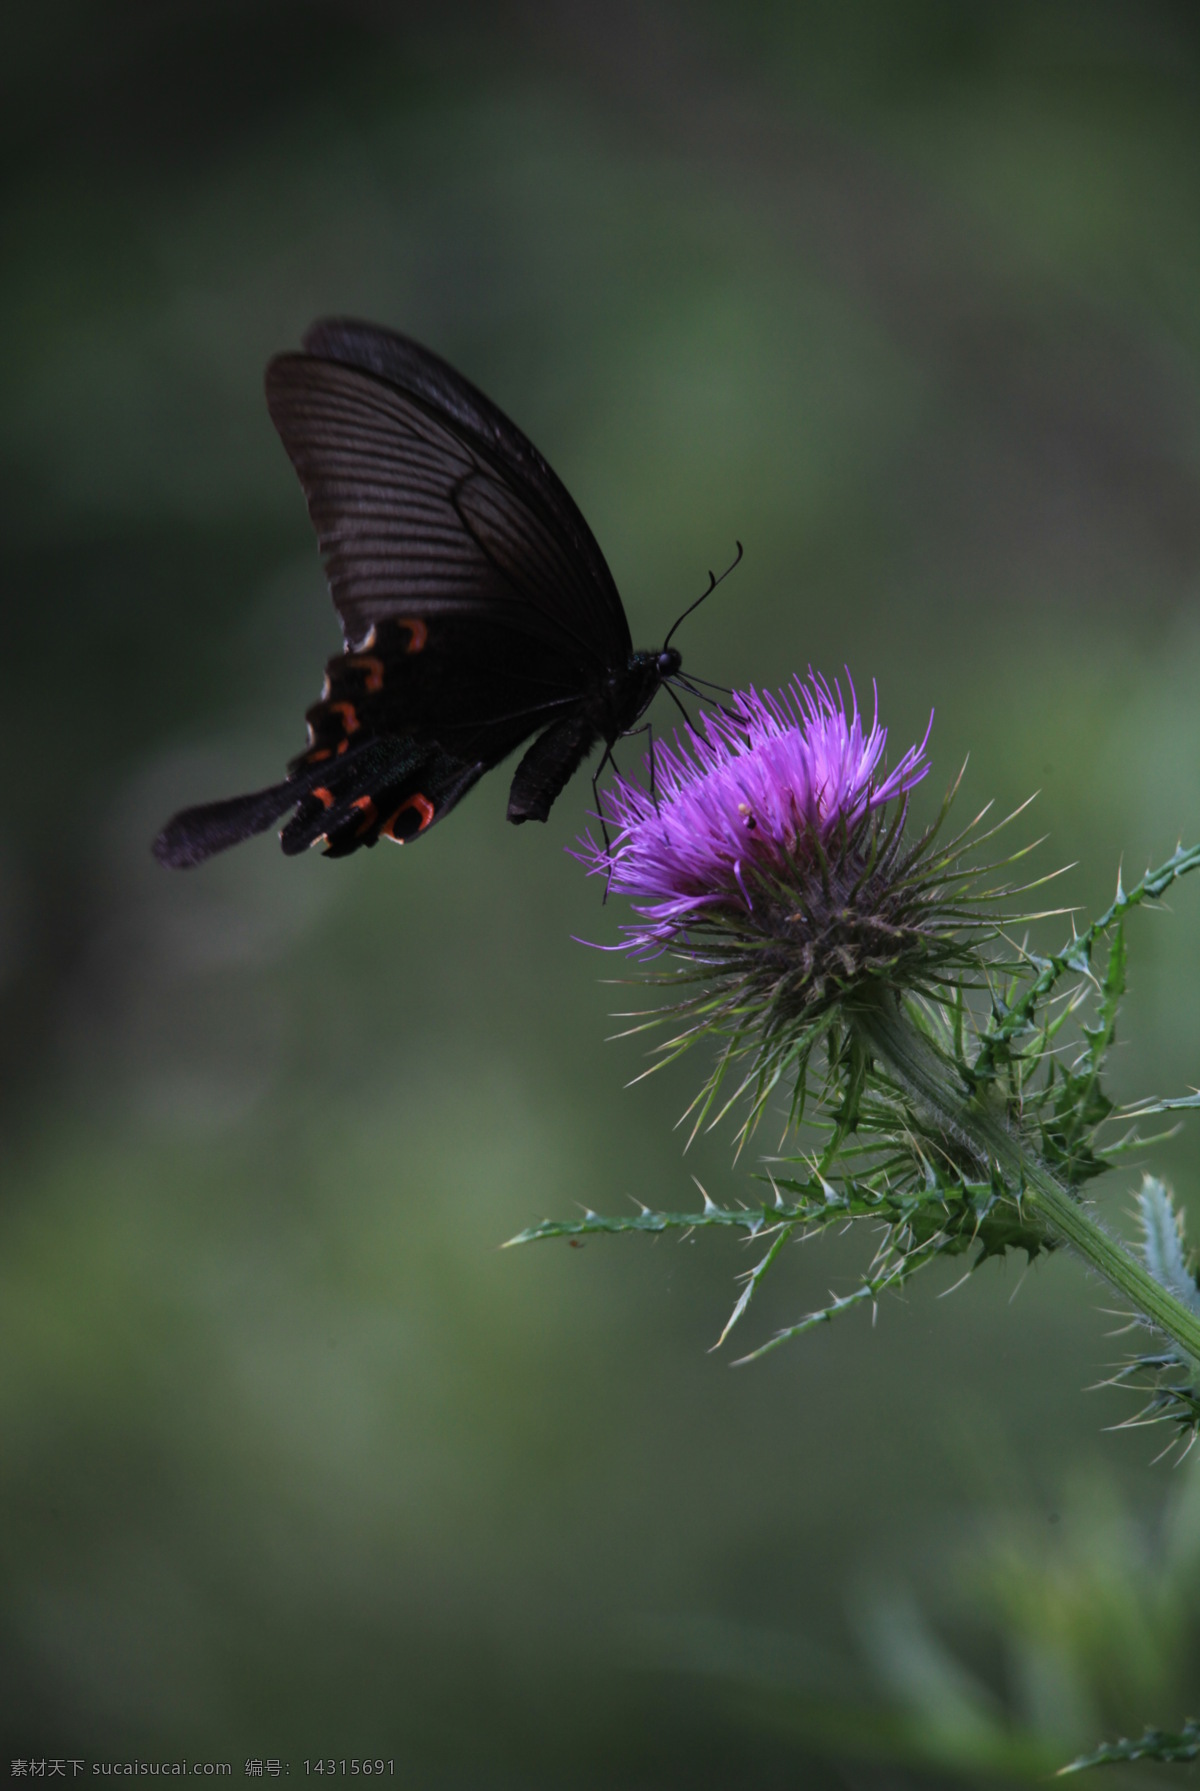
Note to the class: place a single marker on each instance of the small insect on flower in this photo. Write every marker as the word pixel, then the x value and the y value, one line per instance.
pixel 767 853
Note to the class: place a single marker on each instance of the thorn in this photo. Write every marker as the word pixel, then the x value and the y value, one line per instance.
pixel 1020 1283
pixel 710 1205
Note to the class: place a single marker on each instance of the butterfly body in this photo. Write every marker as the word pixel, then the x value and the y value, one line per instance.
pixel 476 607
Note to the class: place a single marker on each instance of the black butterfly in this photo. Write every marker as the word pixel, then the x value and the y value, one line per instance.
pixel 476 607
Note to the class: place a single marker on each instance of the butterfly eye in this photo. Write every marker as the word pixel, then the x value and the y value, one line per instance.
pixel 669 662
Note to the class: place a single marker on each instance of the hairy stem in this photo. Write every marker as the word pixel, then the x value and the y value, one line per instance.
pixel 933 1080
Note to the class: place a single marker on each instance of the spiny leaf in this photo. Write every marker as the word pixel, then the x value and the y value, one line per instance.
pixel 894 1275
pixel 752 1280
pixel 1162 1242
pixel 1155 1744
pixel 1170 1104
pixel 748 1219
pixel 1075 956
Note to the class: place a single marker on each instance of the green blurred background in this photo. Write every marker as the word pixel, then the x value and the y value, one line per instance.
pixel 294 1461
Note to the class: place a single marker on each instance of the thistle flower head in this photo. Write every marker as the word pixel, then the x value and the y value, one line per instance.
pixel 759 792
pixel 766 855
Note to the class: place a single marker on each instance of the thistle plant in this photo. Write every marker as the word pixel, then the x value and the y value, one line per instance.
pixel 867 979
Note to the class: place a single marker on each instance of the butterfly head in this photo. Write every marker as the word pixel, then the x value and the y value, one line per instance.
pixel 668 662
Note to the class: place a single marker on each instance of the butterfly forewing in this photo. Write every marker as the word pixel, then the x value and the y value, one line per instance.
pixel 411 516
pixel 431 382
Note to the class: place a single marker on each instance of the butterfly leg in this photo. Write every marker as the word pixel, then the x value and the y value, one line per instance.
pixel 606 759
pixel 648 728
pixel 671 693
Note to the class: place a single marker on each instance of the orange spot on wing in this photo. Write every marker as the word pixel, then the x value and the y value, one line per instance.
pixel 367 805
pixel 349 715
pixel 424 808
pixel 374 669
pixel 342 745
pixel 418 633
pixel 324 796
pixel 322 752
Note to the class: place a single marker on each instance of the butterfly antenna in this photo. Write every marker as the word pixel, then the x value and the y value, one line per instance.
pixel 713 582
pixel 653 779
pixel 647 727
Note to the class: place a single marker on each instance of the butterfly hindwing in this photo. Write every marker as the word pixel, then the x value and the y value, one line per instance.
pixel 437 681
pixel 388 789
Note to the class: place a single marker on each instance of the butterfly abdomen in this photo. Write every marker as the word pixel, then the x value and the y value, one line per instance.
pixel 551 761
pixel 608 710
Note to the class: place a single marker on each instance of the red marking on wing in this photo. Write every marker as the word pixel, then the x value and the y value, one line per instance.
pixel 322 752
pixel 349 715
pixel 324 796
pixel 423 807
pixel 418 633
pixel 342 745
pixel 374 669
pixel 367 805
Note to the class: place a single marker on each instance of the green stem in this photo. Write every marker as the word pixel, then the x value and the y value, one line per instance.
pixel 934 1081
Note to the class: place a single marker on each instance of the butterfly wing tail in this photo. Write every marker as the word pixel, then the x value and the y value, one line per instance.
pixel 195 834
pixel 385 789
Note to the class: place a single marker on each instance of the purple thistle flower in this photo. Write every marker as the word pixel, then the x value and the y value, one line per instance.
pixel 771 863
pixel 744 810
